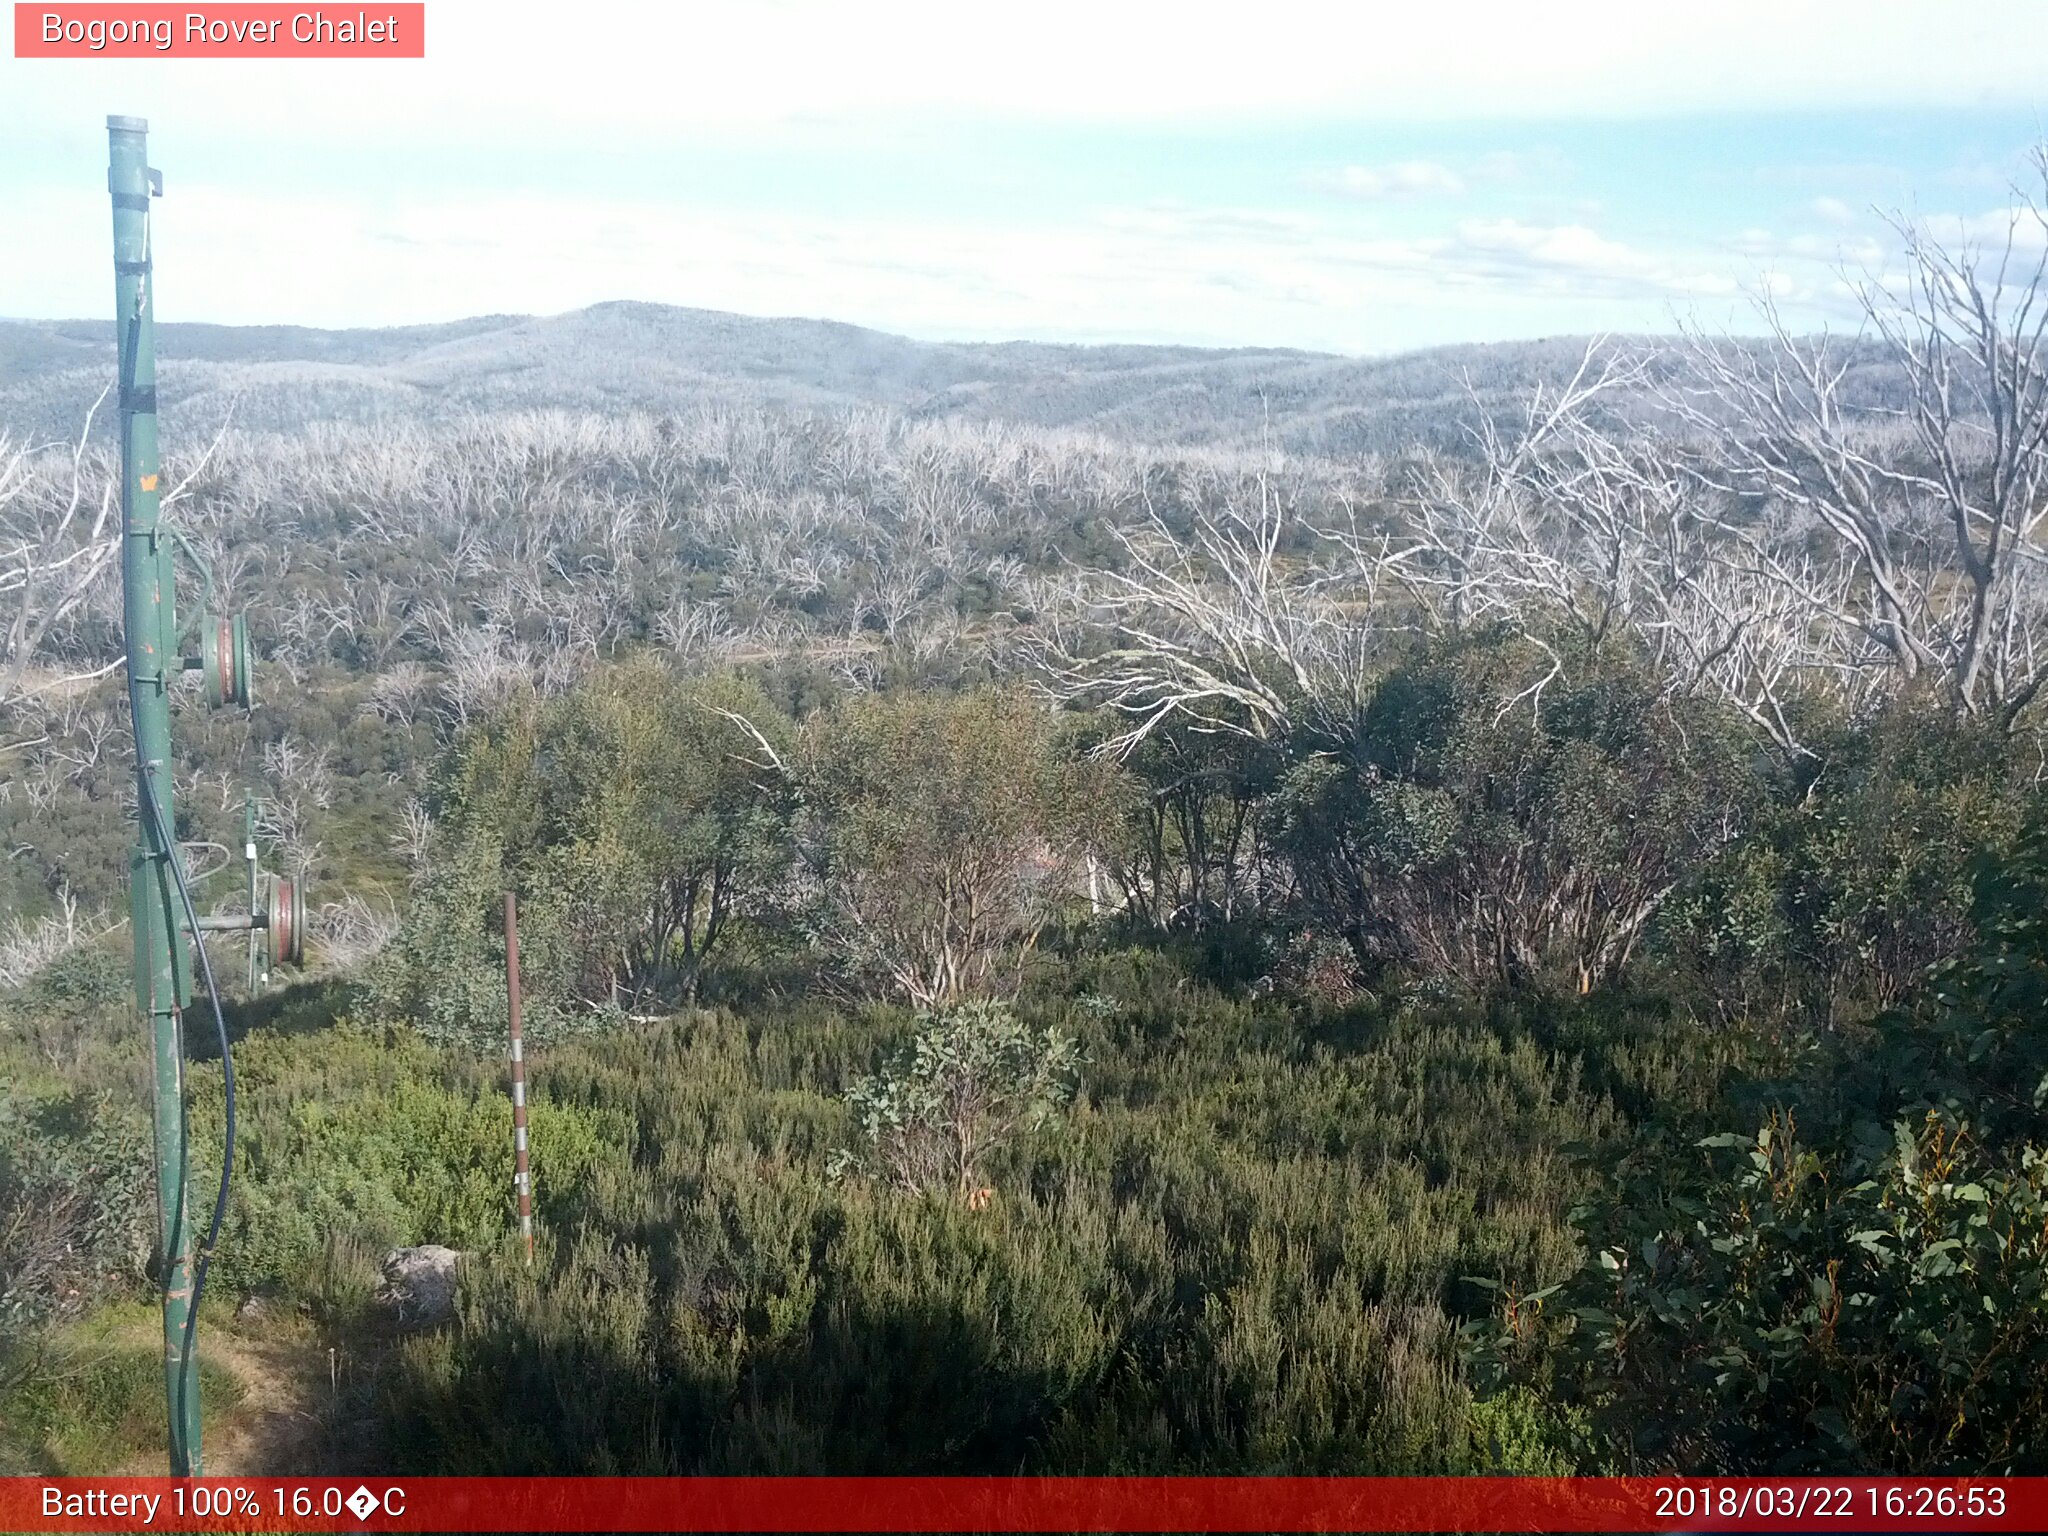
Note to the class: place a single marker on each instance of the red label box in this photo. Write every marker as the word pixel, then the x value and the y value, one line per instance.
pixel 227 31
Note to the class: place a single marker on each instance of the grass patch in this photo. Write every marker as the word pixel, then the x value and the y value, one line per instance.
pixel 87 1399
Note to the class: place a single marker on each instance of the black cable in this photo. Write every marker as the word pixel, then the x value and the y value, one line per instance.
pixel 227 1066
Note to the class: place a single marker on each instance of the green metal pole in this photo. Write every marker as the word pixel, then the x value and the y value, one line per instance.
pixel 161 965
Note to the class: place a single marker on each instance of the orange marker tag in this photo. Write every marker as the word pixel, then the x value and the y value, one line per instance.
pixel 149 482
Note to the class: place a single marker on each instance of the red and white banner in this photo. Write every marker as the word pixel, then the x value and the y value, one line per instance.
pixel 225 31
pixel 907 1504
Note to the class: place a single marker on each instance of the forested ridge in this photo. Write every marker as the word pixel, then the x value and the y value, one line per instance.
pixel 1136 911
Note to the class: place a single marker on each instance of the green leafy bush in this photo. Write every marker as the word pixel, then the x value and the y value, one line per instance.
pixel 1856 874
pixel 1861 1279
pixel 77 1213
pixel 1495 822
pixel 974 1078
pixel 940 837
pixel 638 821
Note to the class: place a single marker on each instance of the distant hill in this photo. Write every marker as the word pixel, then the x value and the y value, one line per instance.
pixel 649 356
pixel 628 356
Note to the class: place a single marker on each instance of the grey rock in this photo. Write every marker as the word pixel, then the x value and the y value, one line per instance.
pixel 419 1285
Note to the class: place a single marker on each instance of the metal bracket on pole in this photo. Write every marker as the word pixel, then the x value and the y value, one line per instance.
pixel 249 855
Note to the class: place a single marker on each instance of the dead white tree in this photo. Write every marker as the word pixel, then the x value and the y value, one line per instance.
pixel 1551 529
pixel 27 946
pixel 1222 630
pixel 284 821
pixel 485 668
pixel 1569 529
pixel 1530 515
pixel 54 553
pixel 414 838
pixel 1933 503
pixel 353 930
pixel 300 767
pixel 400 694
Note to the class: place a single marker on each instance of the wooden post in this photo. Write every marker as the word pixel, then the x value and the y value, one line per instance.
pixel 522 1178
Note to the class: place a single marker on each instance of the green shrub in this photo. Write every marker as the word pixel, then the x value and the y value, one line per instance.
pixel 940 837
pixel 639 822
pixel 974 1078
pixel 369 1138
pixel 1241 1252
pixel 1856 877
pixel 1860 1278
pixel 1489 825
pixel 77 1207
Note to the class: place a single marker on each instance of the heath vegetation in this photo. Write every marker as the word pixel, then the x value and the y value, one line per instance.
pixel 1062 936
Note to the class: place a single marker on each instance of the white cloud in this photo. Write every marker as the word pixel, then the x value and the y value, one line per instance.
pixel 1578 257
pixel 1519 165
pixel 1857 252
pixel 2025 227
pixel 1560 245
pixel 1406 178
pixel 1834 210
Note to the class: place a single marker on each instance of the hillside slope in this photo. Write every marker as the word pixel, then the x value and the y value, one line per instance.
pixel 646 356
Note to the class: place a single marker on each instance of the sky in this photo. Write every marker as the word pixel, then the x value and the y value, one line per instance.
pixel 1344 177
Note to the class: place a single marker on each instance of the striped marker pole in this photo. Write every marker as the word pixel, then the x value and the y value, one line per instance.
pixel 522 1177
